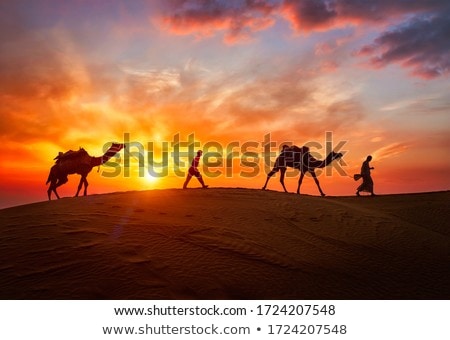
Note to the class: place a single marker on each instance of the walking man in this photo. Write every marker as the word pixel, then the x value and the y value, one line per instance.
pixel 193 171
pixel 367 184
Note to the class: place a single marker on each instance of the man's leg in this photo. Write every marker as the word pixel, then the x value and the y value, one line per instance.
pixel 200 179
pixel 188 178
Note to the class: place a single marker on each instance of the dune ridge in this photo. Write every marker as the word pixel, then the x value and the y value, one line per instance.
pixel 227 243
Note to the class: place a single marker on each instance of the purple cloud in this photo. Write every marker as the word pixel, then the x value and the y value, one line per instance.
pixel 419 41
pixel 239 19
pixel 422 44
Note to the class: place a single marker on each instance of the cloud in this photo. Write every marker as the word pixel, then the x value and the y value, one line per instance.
pixel 389 151
pixel 243 104
pixel 47 88
pixel 421 45
pixel 382 10
pixel 324 48
pixel 289 109
pixel 415 32
pixel 154 80
pixel 320 15
pixel 238 19
pixel 307 15
pixel 421 105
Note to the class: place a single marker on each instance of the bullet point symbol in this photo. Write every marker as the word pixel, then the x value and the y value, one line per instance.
pixel 258 329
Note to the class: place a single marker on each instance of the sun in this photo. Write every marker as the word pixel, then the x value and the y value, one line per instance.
pixel 149 178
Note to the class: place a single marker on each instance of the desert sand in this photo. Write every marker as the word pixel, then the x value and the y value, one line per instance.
pixel 227 243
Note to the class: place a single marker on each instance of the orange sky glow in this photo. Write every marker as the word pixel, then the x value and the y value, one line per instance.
pixel 84 74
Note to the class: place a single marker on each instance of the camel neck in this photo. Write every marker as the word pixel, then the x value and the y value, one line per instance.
pixel 113 149
pixel 315 163
pixel 96 161
pixel 329 158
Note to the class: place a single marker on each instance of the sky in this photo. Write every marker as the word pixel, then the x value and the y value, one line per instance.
pixel 362 77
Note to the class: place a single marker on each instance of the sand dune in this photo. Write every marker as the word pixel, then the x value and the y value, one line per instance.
pixel 227 244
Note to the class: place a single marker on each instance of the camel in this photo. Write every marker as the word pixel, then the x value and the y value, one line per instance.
pixel 301 159
pixel 76 162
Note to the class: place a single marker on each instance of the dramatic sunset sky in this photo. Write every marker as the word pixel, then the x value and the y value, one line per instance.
pixel 84 73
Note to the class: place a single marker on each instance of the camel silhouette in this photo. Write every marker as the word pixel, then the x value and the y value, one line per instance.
pixel 301 159
pixel 76 162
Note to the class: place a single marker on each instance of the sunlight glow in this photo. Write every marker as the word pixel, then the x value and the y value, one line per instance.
pixel 149 178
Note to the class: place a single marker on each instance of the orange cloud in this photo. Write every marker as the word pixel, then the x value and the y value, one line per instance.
pixel 390 151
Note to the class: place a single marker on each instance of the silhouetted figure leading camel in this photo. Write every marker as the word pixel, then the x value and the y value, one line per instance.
pixel 76 162
pixel 301 159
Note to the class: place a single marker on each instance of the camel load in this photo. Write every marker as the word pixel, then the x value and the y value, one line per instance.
pixel 62 156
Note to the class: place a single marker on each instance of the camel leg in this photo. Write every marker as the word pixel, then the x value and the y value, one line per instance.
pixel 60 182
pixel 83 181
pixel 85 186
pixel 54 185
pixel 270 174
pixel 80 185
pixel 313 174
pixel 51 188
pixel 56 193
pixel 300 180
pixel 283 172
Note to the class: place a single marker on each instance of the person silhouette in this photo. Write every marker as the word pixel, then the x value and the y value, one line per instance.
pixel 193 171
pixel 367 184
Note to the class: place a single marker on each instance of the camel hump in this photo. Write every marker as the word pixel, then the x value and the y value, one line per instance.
pixel 70 155
pixel 297 149
pixel 295 152
pixel 294 148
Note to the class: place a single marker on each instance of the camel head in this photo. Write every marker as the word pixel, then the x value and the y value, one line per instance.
pixel 337 155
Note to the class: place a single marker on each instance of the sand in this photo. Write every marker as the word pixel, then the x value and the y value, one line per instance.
pixel 227 243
